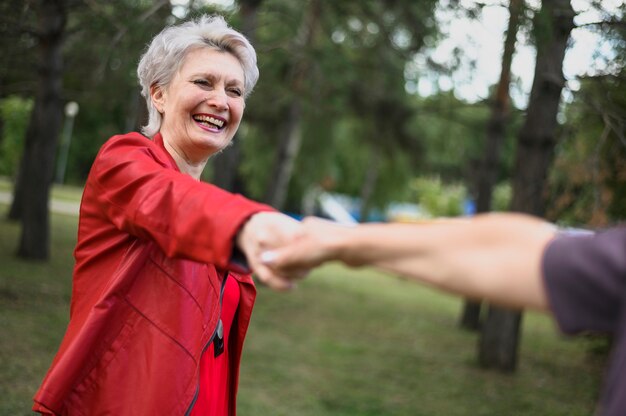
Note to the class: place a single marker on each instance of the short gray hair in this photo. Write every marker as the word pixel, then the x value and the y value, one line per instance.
pixel 168 49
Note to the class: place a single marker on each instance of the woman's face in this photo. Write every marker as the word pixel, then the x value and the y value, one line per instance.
pixel 203 105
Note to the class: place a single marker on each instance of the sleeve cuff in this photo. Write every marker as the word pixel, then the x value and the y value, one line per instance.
pixel 238 262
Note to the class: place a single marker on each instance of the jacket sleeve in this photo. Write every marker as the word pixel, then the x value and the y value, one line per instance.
pixel 140 193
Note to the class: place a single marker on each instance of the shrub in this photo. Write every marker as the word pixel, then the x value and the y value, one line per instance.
pixel 15 112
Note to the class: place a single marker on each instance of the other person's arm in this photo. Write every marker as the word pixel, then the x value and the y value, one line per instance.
pixel 496 257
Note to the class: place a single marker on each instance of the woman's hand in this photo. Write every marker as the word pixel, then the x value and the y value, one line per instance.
pixel 317 241
pixel 268 231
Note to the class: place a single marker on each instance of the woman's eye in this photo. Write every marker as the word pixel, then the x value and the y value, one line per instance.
pixel 203 82
pixel 236 92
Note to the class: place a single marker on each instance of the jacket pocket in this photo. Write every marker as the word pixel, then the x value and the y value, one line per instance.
pixel 143 372
pixel 184 312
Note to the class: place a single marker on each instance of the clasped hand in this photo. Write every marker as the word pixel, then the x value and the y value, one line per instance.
pixel 281 250
pixel 267 231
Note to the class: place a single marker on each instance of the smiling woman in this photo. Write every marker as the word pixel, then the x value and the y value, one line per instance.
pixel 201 108
pixel 161 295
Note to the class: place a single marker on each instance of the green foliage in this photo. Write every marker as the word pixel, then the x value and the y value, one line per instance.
pixel 104 44
pixel 588 183
pixel 359 106
pixel 451 132
pixel 356 108
pixel 501 198
pixel 258 150
pixel 15 112
pixel 438 199
pixel 19 57
pixel 348 157
pixel 354 100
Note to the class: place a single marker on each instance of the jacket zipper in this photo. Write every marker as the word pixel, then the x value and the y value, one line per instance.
pixel 219 317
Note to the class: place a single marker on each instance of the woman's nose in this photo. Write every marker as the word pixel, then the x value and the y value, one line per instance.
pixel 218 99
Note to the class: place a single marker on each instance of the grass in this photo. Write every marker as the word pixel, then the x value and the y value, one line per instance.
pixel 34 302
pixel 360 343
pixel 346 342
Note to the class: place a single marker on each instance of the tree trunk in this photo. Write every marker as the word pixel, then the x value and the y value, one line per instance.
pixel 37 165
pixel 287 151
pixel 289 145
pixel 488 170
pixel 500 339
pixel 535 149
pixel 470 315
pixel 226 173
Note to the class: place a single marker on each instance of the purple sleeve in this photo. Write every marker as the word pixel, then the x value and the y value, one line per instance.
pixel 585 280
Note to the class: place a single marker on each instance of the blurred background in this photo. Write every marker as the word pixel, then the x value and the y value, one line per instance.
pixel 366 110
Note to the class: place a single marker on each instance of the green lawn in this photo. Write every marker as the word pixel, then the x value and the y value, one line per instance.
pixel 346 342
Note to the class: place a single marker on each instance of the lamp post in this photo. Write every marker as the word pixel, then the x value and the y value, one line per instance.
pixel 71 109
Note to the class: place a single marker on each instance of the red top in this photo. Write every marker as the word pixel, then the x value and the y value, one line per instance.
pixel 213 396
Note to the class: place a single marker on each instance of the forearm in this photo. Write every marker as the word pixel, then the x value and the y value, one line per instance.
pixel 495 257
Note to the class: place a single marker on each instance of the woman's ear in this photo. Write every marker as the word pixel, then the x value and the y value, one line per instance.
pixel 158 97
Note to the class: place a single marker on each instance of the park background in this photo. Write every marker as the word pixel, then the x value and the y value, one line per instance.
pixel 368 101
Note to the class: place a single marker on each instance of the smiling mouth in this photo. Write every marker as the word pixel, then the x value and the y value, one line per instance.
pixel 211 122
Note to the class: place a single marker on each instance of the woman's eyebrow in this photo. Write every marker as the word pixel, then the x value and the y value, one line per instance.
pixel 206 75
pixel 211 76
pixel 235 81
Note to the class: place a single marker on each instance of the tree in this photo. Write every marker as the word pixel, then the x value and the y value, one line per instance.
pixel 115 42
pixel 535 149
pixel 37 165
pixel 359 45
pixel 587 186
pixel 18 43
pixel 291 134
pixel 226 165
pixel 488 170
pixel 101 73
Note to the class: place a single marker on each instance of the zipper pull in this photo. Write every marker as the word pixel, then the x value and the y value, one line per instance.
pixel 218 340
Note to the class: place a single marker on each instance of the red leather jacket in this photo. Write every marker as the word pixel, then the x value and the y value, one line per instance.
pixel 153 248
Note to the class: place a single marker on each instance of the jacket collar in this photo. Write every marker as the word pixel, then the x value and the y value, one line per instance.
pixel 158 140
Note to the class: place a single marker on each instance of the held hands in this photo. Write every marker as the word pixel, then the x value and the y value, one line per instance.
pixel 317 241
pixel 267 231
pixel 281 250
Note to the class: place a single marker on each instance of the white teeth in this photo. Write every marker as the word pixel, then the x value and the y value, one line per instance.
pixel 209 119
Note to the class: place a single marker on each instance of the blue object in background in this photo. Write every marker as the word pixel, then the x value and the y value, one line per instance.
pixel 469 207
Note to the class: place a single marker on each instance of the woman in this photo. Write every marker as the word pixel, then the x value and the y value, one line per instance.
pixel 511 259
pixel 160 304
